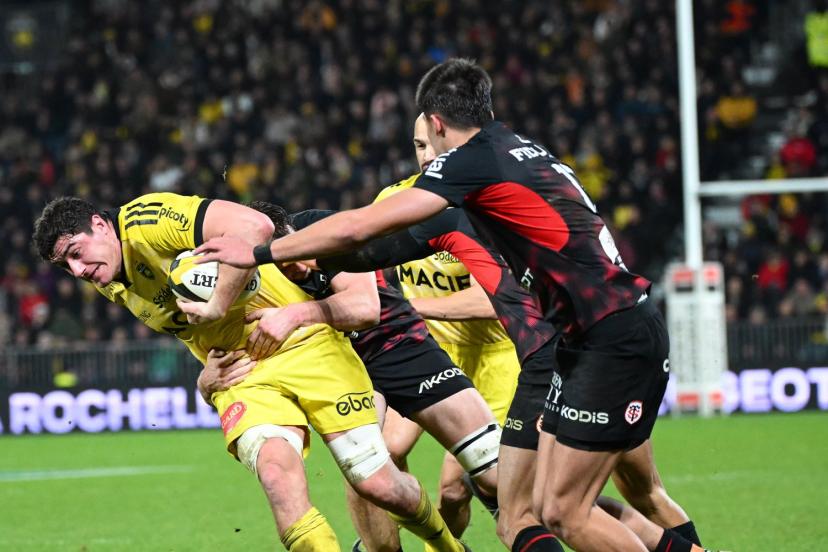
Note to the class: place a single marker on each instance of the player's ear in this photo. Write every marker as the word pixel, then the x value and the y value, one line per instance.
pixel 437 124
pixel 98 222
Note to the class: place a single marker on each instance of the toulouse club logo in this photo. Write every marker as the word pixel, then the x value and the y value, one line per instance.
pixel 633 412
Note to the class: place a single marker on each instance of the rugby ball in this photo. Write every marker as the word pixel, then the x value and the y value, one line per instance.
pixel 196 282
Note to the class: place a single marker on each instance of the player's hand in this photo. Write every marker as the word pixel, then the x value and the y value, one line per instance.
pixel 222 371
pixel 198 312
pixel 274 327
pixel 229 250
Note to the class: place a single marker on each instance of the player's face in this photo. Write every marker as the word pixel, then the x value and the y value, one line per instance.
pixel 94 257
pixel 295 272
pixel 422 145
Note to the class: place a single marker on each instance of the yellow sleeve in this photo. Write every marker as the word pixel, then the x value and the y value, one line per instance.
pixel 166 222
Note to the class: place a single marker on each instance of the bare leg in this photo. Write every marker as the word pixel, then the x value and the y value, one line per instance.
pixel 514 492
pixel 638 481
pixel 455 497
pixel 282 476
pixel 566 487
pixel 377 531
pixel 454 418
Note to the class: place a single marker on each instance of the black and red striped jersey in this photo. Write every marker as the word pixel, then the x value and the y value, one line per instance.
pixel 451 231
pixel 399 322
pixel 531 208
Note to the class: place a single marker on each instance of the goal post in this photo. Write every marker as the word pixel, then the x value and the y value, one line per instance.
pixel 695 288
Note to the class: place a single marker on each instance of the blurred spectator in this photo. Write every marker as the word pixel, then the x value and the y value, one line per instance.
pixel 310 104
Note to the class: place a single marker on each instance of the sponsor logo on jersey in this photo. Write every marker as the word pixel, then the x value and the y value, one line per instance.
pixel 584 416
pixel 439 280
pixel 144 316
pixel 232 416
pixel 443 376
pixel 527 279
pixel 168 212
pixel 633 412
pixel 144 271
pixel 436 166
pixel 161 298
pixel 513 424
pixel 445 257
pixel 354 402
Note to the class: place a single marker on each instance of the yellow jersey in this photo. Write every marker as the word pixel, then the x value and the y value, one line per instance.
pixel 153 230
pixel 439 275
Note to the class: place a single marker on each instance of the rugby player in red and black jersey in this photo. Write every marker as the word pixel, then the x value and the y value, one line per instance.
pixel 527 204
pixel 451 231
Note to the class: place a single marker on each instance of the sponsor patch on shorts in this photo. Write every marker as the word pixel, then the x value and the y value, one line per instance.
pixel 232 416
pixel 633 412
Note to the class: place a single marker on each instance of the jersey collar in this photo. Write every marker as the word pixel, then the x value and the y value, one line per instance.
pixel 112 215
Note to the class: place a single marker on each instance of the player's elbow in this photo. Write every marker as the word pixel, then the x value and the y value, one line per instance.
pixel 368 311
pixel 261 228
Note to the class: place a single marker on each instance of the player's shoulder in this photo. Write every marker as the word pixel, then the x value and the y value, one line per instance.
pixel 397 187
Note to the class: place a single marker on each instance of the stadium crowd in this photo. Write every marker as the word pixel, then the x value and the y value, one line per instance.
pixel 310 104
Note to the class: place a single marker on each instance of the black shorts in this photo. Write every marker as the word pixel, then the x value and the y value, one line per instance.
pixel 413 376
pixel 523 422
pixel 609 386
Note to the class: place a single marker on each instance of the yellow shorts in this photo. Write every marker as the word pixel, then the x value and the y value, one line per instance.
pixel 493 368
pixel 320 381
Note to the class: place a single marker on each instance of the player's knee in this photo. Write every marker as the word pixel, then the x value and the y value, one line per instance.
pixel 269 448
pixel 477 452
pixel 648 501
pixel 454 493
pixel 562 517
pixel 398 453
pixel 554 517
pixel 360 453
pixel 514 515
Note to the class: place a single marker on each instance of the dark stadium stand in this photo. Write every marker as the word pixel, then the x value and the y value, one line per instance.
pixel 311 105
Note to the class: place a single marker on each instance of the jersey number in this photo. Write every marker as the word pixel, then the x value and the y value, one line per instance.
pixel 605 237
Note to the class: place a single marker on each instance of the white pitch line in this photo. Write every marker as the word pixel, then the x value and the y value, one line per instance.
pixel 717 476
pixel 120 471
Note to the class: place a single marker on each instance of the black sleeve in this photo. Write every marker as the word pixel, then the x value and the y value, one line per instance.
pixel 384 252
pixel 401 247
pixel 306 218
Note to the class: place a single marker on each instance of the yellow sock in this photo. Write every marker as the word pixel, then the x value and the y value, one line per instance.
pixel 312 533
pixel 429 525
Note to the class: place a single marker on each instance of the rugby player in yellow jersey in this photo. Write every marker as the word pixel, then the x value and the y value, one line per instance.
pixel 314 377
pixel 446 295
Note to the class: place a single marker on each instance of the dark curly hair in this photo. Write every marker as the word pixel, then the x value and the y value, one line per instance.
pixel 280 217
pixel 460 91
pixel 64 216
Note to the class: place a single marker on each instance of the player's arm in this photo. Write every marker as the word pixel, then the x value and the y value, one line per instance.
pixel 397 248
pixel 344 231
pixel 354 305
pixel 225 219
pixel 471 303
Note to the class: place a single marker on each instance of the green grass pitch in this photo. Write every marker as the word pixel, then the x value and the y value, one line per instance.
pixel 749 482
